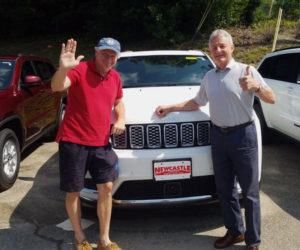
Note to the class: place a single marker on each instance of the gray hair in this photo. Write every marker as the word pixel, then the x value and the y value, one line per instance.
pixel 220 32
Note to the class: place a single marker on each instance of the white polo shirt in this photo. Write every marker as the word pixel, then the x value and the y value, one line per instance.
pixel 229 105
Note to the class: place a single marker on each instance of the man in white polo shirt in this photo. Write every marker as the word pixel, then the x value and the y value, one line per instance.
pixel 230 89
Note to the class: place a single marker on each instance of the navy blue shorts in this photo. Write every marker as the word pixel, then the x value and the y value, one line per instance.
pixel 75 160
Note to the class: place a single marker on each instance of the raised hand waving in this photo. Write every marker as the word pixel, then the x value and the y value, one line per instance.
pixel 67 56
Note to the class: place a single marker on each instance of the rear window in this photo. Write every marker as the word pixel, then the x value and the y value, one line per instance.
pixel 162 70
pixel 283 67
pixel 6 73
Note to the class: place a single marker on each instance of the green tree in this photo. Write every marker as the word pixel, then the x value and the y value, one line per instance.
pixel 168 21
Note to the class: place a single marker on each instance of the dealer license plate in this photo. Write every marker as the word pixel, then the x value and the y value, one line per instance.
pixel 172 170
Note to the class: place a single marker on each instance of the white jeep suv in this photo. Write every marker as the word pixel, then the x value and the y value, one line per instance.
pixel 165 160
pixel 281 70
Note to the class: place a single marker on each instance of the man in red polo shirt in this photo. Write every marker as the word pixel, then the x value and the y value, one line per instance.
pixel 94 88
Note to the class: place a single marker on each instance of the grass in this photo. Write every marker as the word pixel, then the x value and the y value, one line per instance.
pixel 251 44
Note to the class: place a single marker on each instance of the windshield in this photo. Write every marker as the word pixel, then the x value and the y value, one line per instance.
pixel 6 73
pixel 162 70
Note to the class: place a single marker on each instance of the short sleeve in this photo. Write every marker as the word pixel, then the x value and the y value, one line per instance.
pixel 120 89
pixel 74 75
pixel 201 96
pixel 257 76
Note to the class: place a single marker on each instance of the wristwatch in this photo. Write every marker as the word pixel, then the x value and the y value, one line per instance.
pixel 259 89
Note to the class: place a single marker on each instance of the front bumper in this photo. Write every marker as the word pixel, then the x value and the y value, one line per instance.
pixel 89 197
pixel 136 184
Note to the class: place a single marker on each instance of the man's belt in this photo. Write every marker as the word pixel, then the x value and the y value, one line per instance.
pixel 230 129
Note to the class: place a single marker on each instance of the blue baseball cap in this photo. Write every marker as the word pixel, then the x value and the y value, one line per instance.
pixel 109 43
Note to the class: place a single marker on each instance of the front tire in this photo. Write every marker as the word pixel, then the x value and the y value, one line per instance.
pixel 9 158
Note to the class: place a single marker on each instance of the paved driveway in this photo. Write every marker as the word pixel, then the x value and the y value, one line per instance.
pixel 32 214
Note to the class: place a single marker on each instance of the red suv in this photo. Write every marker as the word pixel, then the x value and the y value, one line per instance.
pixel 28 109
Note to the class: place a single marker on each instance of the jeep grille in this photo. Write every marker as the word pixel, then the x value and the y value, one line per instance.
pixel 169 135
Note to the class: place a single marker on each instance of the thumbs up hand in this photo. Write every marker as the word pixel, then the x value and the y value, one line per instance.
pixel 247 82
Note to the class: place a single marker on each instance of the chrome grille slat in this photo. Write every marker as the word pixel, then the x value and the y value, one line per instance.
pixel 187 134
pixel 120 141
pixel 168 135
pixel 153 136
pixel 136 136
pixel 202 136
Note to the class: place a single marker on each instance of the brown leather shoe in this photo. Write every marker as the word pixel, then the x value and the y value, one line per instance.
pixel 252 247
pixel 228 240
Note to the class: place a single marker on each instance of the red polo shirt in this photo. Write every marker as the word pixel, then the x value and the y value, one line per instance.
pixel 90 101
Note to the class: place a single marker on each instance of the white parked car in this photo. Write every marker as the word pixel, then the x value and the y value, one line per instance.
pixel 165 160
pixel 281 71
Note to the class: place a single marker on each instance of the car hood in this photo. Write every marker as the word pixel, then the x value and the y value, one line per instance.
pixel 140 104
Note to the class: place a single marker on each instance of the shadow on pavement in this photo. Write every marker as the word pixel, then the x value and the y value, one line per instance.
pixel 41 208
pixel 165 227
pixel 33 221
pixel 281 174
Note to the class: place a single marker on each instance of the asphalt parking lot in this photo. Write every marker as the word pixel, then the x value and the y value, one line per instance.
pixel 33 216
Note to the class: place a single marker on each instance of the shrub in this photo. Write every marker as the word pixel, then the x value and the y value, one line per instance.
pixel 297 32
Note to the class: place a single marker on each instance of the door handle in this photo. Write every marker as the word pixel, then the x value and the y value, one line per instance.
pixel 297 125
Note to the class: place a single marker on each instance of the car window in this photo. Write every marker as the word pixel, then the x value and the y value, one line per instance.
pixel 6 73
pixel 162 70
pixel 27 70
pixel 283 67
pixel 298 68
pixel 44 70
pixel 286 68
pixel 265 68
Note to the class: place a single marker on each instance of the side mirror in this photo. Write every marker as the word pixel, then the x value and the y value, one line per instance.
pixel 31 81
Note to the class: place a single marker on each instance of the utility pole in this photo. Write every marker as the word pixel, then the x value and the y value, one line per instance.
pixel 277 29
pixel 207 10
pixel 270 11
